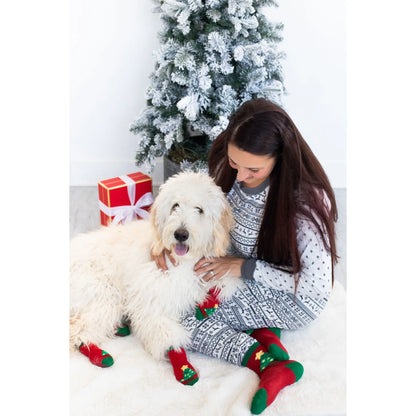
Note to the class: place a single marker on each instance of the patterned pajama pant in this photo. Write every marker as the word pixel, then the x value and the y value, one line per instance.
pixel 255 306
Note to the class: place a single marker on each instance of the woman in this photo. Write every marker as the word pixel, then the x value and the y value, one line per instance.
pixel 282 246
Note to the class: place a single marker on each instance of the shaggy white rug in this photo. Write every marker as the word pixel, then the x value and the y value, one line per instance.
pixel 136 385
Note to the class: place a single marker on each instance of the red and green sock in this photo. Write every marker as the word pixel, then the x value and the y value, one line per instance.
pixel 96 355
pixel 270 338
pixel 274 375
pixel 209 305
pixel 123 330
pixel 184 372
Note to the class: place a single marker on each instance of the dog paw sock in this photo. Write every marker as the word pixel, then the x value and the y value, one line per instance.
pixel 96 355
pixel 209 305
pixel 184 372
pixel 270 338
pixel 274 375
pixel 123 331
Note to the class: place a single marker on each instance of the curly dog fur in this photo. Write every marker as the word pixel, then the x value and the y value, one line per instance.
pixel 112 275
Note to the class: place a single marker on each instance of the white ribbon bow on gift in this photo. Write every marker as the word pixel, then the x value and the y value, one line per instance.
pixel 127 213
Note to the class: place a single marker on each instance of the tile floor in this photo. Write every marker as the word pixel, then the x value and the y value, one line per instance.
pixel 84 216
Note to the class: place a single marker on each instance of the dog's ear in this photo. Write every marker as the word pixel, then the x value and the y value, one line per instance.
pixel 222 230
pixel 157 245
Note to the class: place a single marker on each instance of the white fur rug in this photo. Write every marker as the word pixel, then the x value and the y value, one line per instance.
pixel 137 385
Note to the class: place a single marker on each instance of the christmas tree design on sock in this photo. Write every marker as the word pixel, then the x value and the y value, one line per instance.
pixel 184 372
pixel 270 338
pixel 274 375
pixel 96 355
pixel 209 305
pixel 257 358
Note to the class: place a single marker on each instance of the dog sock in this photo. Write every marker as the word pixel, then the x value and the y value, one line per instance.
pixel 274 375
pixel 270 338
pixel 123 331
pixel 184 372
pixel 96 355
pixel 209 305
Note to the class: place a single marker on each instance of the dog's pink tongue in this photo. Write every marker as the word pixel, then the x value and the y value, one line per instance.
pixel 181 249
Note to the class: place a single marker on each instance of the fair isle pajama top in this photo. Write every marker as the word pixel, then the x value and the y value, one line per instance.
pixel 267 298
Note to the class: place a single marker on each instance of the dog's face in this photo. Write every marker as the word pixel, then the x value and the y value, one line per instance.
pixel 192 217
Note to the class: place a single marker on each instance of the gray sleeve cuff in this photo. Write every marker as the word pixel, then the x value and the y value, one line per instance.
pixel 247 269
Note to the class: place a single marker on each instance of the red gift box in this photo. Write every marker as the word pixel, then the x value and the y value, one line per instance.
pixel 125 198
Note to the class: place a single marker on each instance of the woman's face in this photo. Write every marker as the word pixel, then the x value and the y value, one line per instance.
pixel 252 170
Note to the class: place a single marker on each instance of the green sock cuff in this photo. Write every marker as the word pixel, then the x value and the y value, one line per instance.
pixel 249 353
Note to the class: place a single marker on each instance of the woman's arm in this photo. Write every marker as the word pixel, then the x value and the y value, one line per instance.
pixel 315 276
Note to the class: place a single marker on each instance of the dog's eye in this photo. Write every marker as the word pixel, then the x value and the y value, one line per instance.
pixel 174 206
pixel 200 210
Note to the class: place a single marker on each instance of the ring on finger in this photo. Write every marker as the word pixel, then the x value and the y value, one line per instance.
pixel 211 272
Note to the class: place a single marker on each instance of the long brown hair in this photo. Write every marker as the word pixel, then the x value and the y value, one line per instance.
pixel 298 183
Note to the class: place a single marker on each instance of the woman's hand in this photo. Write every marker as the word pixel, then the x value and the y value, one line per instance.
pixel 160 259
pixel 215 268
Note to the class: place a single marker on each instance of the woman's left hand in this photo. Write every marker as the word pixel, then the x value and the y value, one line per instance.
pixel 217 267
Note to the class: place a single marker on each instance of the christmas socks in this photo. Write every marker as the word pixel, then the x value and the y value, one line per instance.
pixel 96 355
pixel 273 379
pixel 123 331
pixel 270 338
pixel 209 305
pixel 184 372
pixel 274 375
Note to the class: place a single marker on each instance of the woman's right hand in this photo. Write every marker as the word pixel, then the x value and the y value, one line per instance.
pixel 160 259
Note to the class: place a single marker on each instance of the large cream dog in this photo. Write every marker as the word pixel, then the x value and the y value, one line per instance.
pixel 112 275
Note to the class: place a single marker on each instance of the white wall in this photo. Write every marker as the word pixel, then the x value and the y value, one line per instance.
pixel 315 77
pixel 112 42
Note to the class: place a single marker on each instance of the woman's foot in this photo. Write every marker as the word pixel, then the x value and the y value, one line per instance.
pixel 274 375
pixel 273 379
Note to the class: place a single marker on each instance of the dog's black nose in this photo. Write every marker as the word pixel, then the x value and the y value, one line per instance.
pixel 181 235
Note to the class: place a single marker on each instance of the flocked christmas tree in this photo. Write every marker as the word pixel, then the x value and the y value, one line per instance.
pixel 214 55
